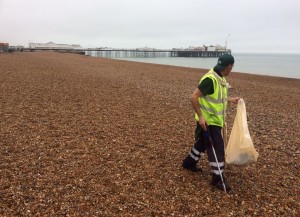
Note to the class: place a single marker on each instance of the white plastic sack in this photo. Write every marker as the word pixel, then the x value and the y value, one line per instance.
pixel 240 149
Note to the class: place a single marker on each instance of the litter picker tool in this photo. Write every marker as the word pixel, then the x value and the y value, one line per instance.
pixel 212 146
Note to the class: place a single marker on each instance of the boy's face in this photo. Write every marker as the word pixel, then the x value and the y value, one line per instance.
pixel 227 70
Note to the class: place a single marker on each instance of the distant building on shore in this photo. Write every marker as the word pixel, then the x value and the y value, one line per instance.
pixel 4 47
pixel 52 45
pixel 16 48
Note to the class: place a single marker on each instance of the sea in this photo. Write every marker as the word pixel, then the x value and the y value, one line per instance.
pixel 279 65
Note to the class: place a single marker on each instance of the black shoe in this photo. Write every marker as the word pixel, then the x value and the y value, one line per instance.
pixel 217 182
pixel 194 168
pixel 220 186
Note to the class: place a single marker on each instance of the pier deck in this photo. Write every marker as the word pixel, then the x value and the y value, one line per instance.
pixel 135 53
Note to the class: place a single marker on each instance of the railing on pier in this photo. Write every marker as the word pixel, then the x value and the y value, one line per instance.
pixel 128 53
pixel 135 53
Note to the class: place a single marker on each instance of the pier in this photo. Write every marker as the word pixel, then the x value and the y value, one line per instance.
pixel 136 53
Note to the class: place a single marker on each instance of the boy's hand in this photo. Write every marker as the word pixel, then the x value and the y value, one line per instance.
pixel 202 122
pixel 234 100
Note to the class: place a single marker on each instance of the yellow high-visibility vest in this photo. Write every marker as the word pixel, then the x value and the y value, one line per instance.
pixel 213 106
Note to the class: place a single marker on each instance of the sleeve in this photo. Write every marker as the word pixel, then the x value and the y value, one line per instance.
pixel 206 86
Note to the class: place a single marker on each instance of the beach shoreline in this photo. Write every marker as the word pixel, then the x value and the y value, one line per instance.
pixel 207 69
pixel 81 135
pixel 280 65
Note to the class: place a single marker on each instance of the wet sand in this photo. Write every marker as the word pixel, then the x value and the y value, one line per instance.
pixel 89 136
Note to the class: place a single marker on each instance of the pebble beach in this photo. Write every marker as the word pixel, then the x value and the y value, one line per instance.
pixel 87 136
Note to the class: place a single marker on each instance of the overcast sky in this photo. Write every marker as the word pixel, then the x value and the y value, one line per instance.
pixel 247 26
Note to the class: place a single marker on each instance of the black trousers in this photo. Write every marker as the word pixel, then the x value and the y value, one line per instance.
pixel 202 144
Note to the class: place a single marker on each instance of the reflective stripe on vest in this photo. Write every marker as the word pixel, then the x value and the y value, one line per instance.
pixel 213 106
